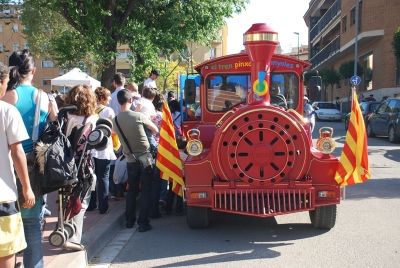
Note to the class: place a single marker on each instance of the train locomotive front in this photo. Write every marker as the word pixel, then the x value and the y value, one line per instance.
pixel 261 161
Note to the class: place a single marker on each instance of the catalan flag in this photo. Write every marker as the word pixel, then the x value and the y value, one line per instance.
pixel 168 159
pixel 353 166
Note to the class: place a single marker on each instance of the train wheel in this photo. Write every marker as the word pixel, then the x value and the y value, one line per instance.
pixel 198 217
pixel 323 217
pixel 57 238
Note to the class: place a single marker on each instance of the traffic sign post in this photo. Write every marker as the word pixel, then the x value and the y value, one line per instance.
pixel 355 80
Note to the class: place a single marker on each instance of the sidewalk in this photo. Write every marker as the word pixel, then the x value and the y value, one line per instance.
pixel 98 230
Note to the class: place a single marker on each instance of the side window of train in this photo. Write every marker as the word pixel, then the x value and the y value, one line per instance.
pixel 285 85
pixel 226 91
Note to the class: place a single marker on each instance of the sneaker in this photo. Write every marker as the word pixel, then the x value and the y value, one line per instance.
pixel 145 228
pixel 163 204
pixel 47 212
pixel 113 197
pixel 129 225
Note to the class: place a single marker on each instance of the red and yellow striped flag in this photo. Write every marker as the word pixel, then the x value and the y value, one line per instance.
pixel 353 166
pixel 168 159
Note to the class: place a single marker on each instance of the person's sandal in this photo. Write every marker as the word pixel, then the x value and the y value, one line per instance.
pixel 73 246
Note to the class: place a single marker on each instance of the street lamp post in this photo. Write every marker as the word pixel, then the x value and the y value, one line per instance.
pixel 298 44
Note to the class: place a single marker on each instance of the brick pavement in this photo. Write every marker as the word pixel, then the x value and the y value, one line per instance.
pixel 92 230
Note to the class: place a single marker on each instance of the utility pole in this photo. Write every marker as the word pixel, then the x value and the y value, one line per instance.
pixel 298 44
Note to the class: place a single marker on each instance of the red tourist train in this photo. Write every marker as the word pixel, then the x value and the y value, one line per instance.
pixel 250 150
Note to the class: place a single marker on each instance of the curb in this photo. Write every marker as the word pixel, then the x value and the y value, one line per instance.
pixel 94 239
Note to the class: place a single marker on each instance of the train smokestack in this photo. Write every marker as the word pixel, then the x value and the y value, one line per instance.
pixel 260 42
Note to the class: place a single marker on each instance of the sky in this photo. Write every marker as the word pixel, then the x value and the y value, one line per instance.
pixel 284 16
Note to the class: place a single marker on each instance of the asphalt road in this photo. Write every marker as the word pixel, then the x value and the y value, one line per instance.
pixel 367 231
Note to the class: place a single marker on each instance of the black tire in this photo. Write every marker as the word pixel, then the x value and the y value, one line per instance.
pixel 323 217
pixel 198 217
pixel 346 124
pixel 393 138
pixel 369 131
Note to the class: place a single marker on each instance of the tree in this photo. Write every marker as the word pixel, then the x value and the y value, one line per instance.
pixel 396 45
pixel 329 77
pixel 346 71
pixel 90 31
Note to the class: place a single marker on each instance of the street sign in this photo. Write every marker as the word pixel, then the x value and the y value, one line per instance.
pixel 355 80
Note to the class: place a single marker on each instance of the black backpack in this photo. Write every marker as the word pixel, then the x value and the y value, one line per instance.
pixel 56 153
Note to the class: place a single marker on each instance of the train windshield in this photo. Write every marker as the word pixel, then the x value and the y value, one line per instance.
pixel 226 91
pixel 285 85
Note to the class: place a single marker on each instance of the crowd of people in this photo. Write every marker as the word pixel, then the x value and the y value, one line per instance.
pixel 136 123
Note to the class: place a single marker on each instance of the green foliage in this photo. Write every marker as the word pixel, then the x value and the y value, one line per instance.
pixel 330 77
pixel 346 69
pixel 90 31
pixel 396 45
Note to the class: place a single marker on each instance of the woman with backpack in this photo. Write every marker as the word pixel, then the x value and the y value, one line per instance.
pixel 24 97
pixel 102 163
pixel 85 100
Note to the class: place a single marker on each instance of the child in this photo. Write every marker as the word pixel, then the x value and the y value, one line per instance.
pixel 12 133
pixel 133 87
pixel 181 142
pixel 145 106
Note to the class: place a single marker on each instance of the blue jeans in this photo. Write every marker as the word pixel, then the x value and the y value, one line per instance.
pixel 170 201
pixel 114 188
pixel 152 141
pixel 33 254
pixel 102 170
pixel 137 175
pixel 164 190
pixel 155 192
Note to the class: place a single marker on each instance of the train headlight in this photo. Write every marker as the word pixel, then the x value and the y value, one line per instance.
pixel 326 145
pixel 194 147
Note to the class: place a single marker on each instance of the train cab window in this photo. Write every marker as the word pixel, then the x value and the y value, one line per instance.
pixel 226 91
pixel 285 85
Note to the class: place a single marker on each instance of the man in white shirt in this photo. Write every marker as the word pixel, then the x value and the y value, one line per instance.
pixel 151 81
pixel 118 83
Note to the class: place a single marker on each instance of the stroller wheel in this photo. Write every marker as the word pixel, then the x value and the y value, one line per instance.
pixel 75 227
pixel 57 238
pixel 66 234
pixel 70 229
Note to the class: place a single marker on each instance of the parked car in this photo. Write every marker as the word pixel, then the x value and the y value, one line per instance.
pixel 385 120
pixel 367 108
pixel 326 111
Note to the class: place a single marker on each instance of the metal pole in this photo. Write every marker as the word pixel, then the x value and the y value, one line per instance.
pixel 356 41
pixel 298 44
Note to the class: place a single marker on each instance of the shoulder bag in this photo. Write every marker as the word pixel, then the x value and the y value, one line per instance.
pixel 146 159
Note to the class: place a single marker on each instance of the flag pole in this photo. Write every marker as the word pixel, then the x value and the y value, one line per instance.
pixel 356 41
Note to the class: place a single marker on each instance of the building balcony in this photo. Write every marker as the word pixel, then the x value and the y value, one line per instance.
pixel 326 53
pixel 330 15
pixel 333 52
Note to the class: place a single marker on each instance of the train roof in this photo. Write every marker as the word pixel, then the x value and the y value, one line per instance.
pixel 198 67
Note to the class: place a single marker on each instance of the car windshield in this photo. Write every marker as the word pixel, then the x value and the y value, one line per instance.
pixel 326 105
pixel 373 106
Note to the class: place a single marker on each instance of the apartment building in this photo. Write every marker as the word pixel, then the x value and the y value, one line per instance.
pixel 12 40
pixel 332 32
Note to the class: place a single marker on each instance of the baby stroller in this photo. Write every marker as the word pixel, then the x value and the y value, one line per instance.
pixel 82 138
